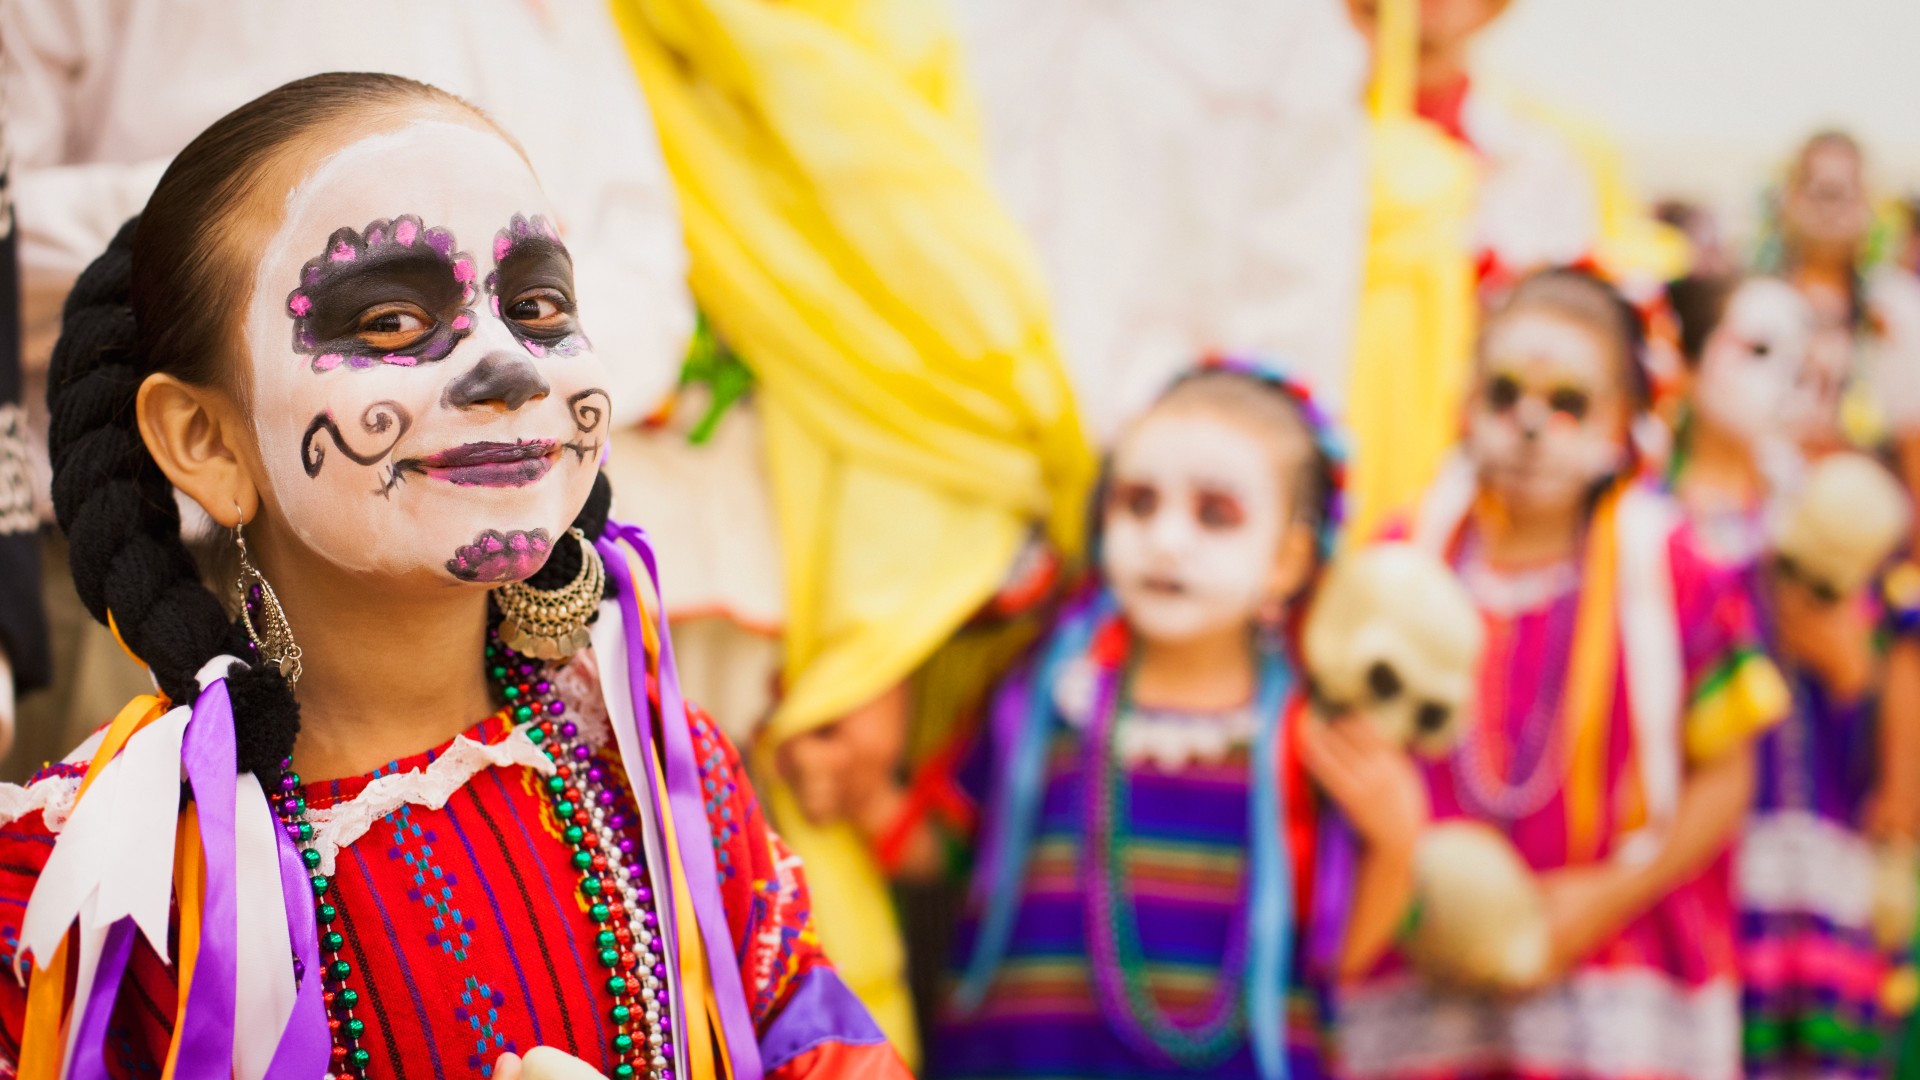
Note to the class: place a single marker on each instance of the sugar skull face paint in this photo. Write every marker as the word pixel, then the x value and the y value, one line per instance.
pixel 406 429
pixel 1193 523
pixel 1548 417
pixel 371 296
pixel 530 267
pixel 1752 361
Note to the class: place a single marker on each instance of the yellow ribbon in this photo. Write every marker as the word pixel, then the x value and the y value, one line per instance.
pixel 189 886
pixel 702 1018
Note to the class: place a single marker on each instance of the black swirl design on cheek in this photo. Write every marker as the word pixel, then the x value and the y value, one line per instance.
pixel 528 254
pixel 386 421
pixel 398 259
pixel 590 408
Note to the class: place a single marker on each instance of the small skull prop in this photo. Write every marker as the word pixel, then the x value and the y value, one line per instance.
pixel 1847 518
pixel 1480 920
pixel 1394 636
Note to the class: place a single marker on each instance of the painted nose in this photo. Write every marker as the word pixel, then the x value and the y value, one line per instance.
pixel 507 379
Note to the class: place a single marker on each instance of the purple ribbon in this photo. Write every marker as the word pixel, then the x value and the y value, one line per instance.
pixel 684 799
pixel 206 1031
pixel 90 1040
pixel 306 1046
pixel 1334 860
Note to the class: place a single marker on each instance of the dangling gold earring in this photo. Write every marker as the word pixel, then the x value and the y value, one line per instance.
pixel 551 624
pixel 272 637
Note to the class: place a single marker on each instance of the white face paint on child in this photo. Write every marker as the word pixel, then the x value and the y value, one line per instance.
pixel 1548 416
pixel 1753 360
pixel 426 403
pixel 1193 525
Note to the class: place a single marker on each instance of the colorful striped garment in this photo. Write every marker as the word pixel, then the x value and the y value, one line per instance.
pixel 1186 867
pixel 462 921
pixel 1812 973
pixel 1660 1001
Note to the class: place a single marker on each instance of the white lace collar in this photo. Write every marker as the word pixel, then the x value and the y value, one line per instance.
pixel 1166 739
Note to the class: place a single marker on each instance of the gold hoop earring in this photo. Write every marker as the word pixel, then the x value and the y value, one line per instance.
pixel 269 631
pixel 551 624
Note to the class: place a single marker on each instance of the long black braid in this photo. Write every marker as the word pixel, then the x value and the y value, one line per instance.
pixel 131 567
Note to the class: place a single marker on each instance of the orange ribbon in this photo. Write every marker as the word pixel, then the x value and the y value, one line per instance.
pixel 1591 677
pixel 43 1037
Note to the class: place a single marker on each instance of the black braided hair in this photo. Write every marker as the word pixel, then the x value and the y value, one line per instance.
pixel 163 299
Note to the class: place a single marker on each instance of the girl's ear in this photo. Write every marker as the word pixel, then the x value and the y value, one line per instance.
pixel 194 434
pixel 1294 562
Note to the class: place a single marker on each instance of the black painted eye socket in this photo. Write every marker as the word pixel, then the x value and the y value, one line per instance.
pixel 1570 403
pixel 1384 681
pixel 1136 500
pixel 1503 393
pixel 1821 589
pixel 1432 717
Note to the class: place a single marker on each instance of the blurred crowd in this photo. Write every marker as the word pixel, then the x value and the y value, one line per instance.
pixel 1228 544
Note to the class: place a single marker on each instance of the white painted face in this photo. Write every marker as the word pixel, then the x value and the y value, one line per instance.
pixel 426 403
pixel 1548 418
pixel 1753 360
pixel 1193 525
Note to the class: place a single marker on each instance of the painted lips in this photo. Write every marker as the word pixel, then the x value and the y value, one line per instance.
pixel 492 464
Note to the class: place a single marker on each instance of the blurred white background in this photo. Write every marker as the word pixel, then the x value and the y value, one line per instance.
pixel 1708 97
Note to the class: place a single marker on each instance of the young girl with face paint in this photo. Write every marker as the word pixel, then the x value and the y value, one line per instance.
pixel 425 825
pixel 1142 783
pixel 1811 969
pixel 1620 689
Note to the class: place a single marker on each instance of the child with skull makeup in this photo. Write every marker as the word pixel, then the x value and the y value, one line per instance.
pixel 432 818
pixel 1813 970
pixel 1620 690
pixel 1144 787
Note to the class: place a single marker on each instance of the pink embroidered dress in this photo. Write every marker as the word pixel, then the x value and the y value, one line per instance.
pixel 1661 1000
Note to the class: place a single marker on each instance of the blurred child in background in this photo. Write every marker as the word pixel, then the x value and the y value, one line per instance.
pixel 1621 688
pixel 1143 783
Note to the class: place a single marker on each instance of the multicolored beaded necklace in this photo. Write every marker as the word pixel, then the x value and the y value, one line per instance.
pixel 614 879
pixel 1113 930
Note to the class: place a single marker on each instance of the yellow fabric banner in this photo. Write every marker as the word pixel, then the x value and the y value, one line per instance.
pixel 845 241
pixel 1413 345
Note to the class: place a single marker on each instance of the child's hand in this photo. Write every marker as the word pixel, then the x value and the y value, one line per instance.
pixel 840 770
pixel 1373 781
pixel 543 1063
pixel 1581 903
pixel 1833 639
pixel 815 765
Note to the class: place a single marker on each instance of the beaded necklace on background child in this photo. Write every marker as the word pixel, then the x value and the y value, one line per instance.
pixel 1620 689
pixel 1146 785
